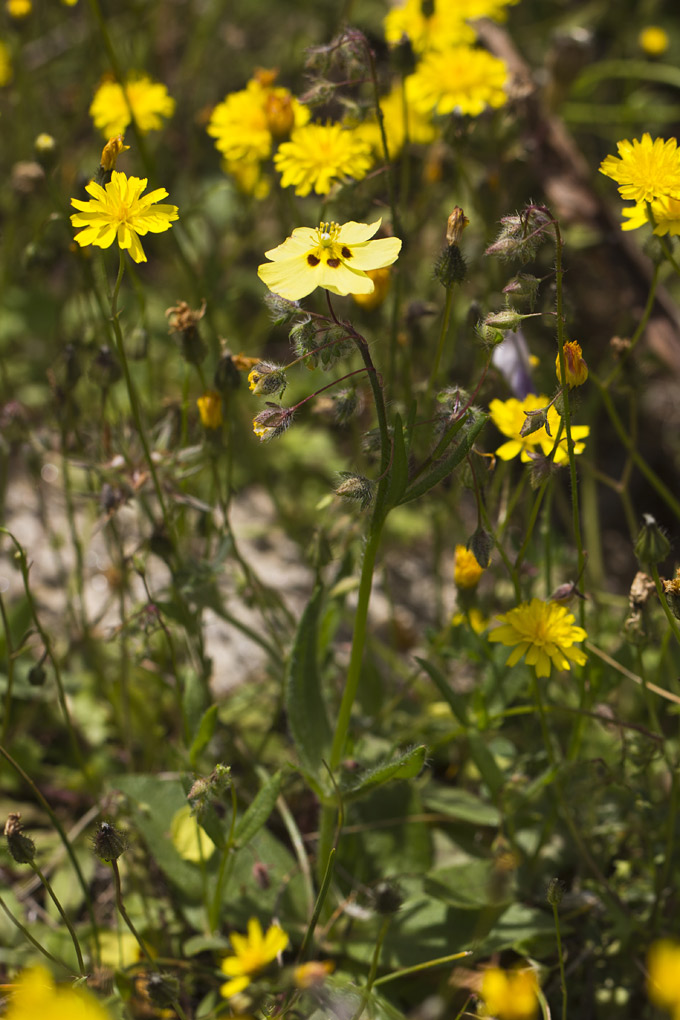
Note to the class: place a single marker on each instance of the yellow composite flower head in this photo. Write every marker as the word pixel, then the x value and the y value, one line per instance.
pixel 318 155
pixel 120 212
pixel 543 631
pixel 663 975
pixel 246 123
pixel 461 79
pixel 510 994
pixel 466 569
pixel 336 257
pixel 445 26
pixel 665 213
pixel 114 106
pixel 36 995
pixel 645 169
pixel 252 953
pixel 509 416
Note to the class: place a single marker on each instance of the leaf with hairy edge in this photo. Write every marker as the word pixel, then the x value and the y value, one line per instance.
pixel 399 468
pixel 259 811
pixel 306 711
pixel 405 766
pixel 449 463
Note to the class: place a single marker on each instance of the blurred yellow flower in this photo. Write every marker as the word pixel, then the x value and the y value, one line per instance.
pixel 509 416
pixel 645 169
pixel 402 121
pixel 312 974
pixel 461 79
pixel 653 40
pixel 18 8
pixel 119 211
pixel 210 409
pixel 114 106
pixel 665 214
pixel 445 25
pixel 246 123
pixel 510 994
pixel 474 619
pixel 381 288
pixel 36 995
pixel 252 953
pixel 663 975
pixel 575 367
pixel 5 65
pixel 466 569
pixel 336 257
pixel 317 155
pixel 545 632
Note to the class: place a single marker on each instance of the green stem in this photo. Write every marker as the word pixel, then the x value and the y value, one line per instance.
pixel 225 867
pixel 10 670
pixel 405 971
pixel 123 912
pixel 62 914
pixel 366 993
pixel 442 338
pixel 560 955
pixel 26 933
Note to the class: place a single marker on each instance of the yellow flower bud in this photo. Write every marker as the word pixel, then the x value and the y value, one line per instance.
pixel 210 409
pixel 575 367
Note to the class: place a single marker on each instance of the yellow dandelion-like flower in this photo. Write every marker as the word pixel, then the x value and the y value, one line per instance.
pixel 317 155
pixel 653 40
pixel 36 995
pixel 509 416
pixel 252 953
pixel 646 169
pixel 402 120
pixel 510 994
pixel 246 123
pixel 543 631
pixel 18 9
pixel 336 257
pixel 663 975
pixel 5 65
pixel 114 106
pixel 575 367
pixel 120 212
pixel 462 79
pixel 665 214
pixel 466 569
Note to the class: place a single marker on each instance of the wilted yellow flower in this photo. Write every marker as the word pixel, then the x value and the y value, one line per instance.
pixel 645 169
pixel 210 409
pixel 114 106
pixel 36 995
pixel 252 953
pixel 545 631
pixel 336 257
pixel 381 288
pixel 462 79
pixel 466 569
pixel 663 975
pixel 119 212
pixel 317 155
pixel 510 994
pixel 575 367
pixel 112 151
pixel 653 40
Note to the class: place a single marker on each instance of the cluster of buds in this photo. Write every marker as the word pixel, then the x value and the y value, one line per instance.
pixel 521 234
pixel 266 378
pixel 207 789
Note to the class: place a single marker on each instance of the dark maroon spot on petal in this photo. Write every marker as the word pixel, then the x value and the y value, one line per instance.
pixel 346 253
pixel 333 263
pixel 313 260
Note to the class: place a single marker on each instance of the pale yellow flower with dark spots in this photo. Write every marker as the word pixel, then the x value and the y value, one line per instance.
pixel 575 367
pixel 334 256
pixel 35 994
pixel 252 953
pixel 114 105
pixel 645 169
pixel 510 994
pixel 319 155
pixel 120 212
pixel 466 569
pixel 543 631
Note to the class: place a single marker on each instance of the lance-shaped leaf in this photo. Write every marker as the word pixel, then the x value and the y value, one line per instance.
pixel 474 424
pixel 305 707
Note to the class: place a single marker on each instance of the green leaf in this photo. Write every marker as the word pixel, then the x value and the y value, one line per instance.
pixel 204 734
pixel 405 766
pixel 486 763
pixel 449 463
pixel 306 711
pixel 399 468
pixel 456 702
pixel 259 811
pixel 460 805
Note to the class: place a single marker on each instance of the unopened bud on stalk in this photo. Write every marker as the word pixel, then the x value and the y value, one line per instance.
pixel 210 409
pixel 280 309
pixel 481 546
pixel 651 546
pixel 46 150
pixel 272 422
pixel 523 287
pixel 267 378
pixel 162 989
pixel 226 377
pixel 109 843
pixel 575 367
pixel 387 897
pixel 20 846
pixel 346 403
pixel 355 487
pixel 555 892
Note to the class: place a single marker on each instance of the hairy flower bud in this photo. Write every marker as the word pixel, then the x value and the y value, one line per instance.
pixel 450 267
pixel 267 378
pixel 109 843
pixel 555 892
pixel 652 545
pixel 481 545
pixel 355 487
pixel 20 846
pixel 535 420
pixel 272 422
pixel 523 287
